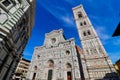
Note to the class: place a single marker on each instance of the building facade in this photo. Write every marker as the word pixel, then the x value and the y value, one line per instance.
pixel 117 67
pixel 16 22
pixel 22 69
pixel 57 59
pixel 96 63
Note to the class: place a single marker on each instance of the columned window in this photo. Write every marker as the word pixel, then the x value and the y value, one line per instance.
pixel 81 24
pixel 84 23
pixel 88 32
pixel 84 33
pixel 79 15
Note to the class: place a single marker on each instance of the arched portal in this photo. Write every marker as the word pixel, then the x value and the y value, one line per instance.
pixel 69 73
pixel 50 71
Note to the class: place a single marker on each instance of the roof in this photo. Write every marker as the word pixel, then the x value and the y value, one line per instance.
pixel 117 31
pixel 79 49
pixel 77 6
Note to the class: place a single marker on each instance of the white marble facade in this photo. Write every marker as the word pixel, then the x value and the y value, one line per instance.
pixel 96 63
pixel 16 23
pixel 56 60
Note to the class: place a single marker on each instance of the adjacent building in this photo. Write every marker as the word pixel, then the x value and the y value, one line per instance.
pixel 57 59
pixel 96 63
pixel 16 22
pixel 117 31
pixel 117 66
pixel 22 69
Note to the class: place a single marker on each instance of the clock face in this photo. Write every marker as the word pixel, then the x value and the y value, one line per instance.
pixel 53 40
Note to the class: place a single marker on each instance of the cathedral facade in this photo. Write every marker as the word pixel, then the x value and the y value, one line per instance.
pixel 57 59
pixel 60 59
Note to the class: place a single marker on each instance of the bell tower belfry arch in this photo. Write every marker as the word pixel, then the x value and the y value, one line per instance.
pixel 97 62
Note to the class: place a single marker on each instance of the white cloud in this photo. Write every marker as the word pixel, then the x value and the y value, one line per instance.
pixel 57 12
pixel 68 21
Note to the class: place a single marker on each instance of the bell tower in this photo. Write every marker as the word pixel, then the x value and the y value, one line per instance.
pixel 97 63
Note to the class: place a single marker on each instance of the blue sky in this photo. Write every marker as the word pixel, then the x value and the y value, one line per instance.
pixel 57 14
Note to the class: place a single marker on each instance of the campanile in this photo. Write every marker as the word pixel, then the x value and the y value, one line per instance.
pixel 98 64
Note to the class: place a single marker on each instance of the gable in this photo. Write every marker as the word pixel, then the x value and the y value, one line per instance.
pixel 54 38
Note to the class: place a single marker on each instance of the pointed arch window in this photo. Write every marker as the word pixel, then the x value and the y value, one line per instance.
pixel 35 67
pixel 88 32
pixel 81 24
pixel 79 15
pixel 95 51
pixel 68 65
pixel 84 22
pixel 84 33
pixel 38 56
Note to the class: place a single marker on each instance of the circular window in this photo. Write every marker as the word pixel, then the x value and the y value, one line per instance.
pixel 67 52
pixel 51 63
pixel 38 56
pixel 68 65
pixel 53 40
